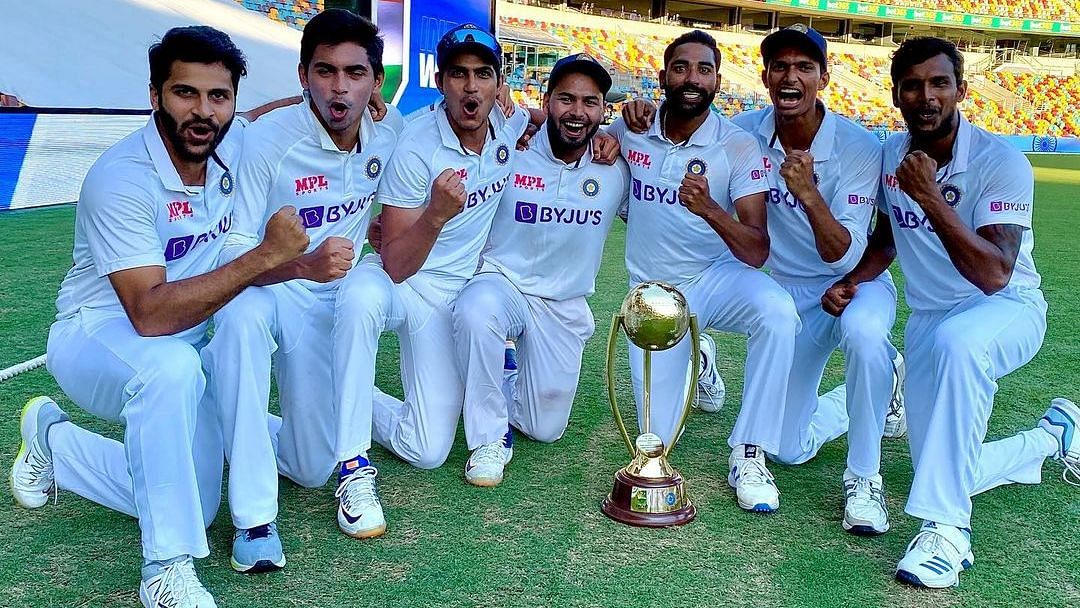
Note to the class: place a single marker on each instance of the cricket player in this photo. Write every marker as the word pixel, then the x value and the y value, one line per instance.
pixel 692 171
pixel 957 212
pixel 325 157
pixel 539 265
pixel 132 315
pixel 824 174
pixel 439 196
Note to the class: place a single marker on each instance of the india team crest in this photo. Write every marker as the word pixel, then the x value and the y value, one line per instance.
pixel 696 166
pixel 590 187
pixel 502 154
pixel 226 184
pixel 951 194
pixel 373 167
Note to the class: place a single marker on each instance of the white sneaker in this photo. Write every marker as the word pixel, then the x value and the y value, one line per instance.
pixel 485 465
pixel 710 386
pixel 896 418
pixel 32 472
pixel 1061 421
pixel 360 513
pixel 174 585
pixel 935 557
pixel 753 483
pixel 865 513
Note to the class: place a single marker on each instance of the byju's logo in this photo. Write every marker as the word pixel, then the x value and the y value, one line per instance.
pixel 525 213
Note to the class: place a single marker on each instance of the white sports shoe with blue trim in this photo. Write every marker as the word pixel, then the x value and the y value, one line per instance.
pixel 896 417
pixel 936 557
pixel 754 486
pixel 1061 421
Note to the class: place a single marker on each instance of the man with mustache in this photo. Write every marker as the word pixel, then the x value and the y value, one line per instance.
pixel 692 172
pixel 133 312
pixel 957 212
pixel 439 195
pixel 824 176
pixel 326 158
pixel 539 265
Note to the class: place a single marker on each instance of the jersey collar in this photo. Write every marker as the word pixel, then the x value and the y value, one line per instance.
pixel 706 134
pixel 367 127
pixel 542 142
pixel 496 121
pixel 822 146
pixel 163 165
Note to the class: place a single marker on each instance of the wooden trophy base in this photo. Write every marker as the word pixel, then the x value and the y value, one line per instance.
pixel 648 502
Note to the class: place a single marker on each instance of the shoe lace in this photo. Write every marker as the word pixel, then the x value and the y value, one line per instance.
pixel 1071 474
pixel 488 454
pixel 39 470
pixel 176 580
pixel 753 472
pixel 865 492
pixel 358 488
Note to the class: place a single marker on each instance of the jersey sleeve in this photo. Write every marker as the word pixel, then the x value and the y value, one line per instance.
pixel 617 129
pixel 254 180
pixel 407 181
pixel 1009 194
pixel 854 202
pixel 747 168
pixel 393 120
pixel 120 223
pixel 517 122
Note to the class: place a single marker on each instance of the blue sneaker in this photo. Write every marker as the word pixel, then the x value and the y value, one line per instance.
pixel 1061 421
pixel 257 549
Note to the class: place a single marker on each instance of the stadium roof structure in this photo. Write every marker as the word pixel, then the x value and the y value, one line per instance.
pixel 64 54
pixel 529 35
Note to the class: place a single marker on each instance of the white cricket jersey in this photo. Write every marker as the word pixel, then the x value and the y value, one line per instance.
pixel 428 146
pixel 135 211
pixel 289 159
pixel 665 241
pixel 987 182
pixel 549 231
pixel 847 171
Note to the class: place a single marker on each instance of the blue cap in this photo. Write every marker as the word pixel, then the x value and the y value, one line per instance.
pixel 469 37
pixel 800 36
pixel 580 63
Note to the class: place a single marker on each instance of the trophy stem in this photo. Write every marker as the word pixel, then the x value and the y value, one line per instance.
pixel 613 342
pixel 695 368
pixel 646 401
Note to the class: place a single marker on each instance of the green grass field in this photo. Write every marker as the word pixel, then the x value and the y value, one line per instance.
pixel 540 539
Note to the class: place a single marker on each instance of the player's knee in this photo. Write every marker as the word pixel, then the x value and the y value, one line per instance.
pixel 365 295
pixel 776 313
pixel 547 432
pixel 173 367
pixel 863 337
pixel 953 344
pixel 475 308
pixel 434 453
pixel 254 308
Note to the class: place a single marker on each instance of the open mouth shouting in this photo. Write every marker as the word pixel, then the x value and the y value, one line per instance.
pixel 471 108
pixel 199 133
pixel 573 128
pixel 788 97
pixel 339 110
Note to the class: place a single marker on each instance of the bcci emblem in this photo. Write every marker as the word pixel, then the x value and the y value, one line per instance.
pixel 502 154
pixel 226 184
pixel 696 166
pixel 951 194
pixel 373 168
pixel 590 187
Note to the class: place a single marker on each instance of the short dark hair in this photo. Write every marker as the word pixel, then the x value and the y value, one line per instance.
pixel 914 51
pixel 335 26
pixel 694 36
pixel 195 44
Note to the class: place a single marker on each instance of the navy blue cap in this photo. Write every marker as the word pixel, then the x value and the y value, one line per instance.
pixel 580 63
pixel 472 38
pixel 800 36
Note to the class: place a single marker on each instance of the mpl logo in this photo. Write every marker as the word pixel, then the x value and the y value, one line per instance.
pixel 528 182
pixel 855 199
pixel 1003 206
pixel 179 210
pixel 463 173
pixel 765 162
pixel 891 182
pixel 640 159
pixel 312 183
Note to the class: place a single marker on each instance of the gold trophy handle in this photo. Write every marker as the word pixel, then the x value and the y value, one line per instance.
pixel 613 340
pixel 695 367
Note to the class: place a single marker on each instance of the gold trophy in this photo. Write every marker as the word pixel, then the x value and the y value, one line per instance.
pixel 648 491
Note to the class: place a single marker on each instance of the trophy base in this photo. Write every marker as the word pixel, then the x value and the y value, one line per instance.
pixel 648 502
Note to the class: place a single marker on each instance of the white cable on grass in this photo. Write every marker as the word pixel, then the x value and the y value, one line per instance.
pixel 25 366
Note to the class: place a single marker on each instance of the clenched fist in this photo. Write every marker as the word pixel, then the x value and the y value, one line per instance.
pixel 694 194
pixel 330 261
pixel 917 176
pixel 798 173
pixel 838 296
pixel 639 115
pixel 284 238
pixel 447 196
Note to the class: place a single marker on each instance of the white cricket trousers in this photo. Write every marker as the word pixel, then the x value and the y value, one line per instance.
pixel 729 296
pixel 291 327
pixel 550 337
pixel 419 430
pixel 167 472
pixel 954 359
pixel 857 407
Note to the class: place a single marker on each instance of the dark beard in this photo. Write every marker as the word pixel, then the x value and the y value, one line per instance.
pixel 172 131
pixel 948 124
pixel 676 109
pixel 561 144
